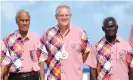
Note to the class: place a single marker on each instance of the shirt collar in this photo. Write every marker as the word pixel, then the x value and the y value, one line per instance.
pixel 70 26
pixel 19 36
pixel 118 39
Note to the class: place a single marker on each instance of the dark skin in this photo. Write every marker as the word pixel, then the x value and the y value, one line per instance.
pixel 130 73
pixel 110 30
pixel 84 57
pixel 93 74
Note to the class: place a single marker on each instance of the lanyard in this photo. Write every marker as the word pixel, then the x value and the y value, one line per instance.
pixel 65 40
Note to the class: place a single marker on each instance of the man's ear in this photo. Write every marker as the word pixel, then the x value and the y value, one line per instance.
pixel 117 27
pixel 56 16
pixel 16 20
pixel 103 28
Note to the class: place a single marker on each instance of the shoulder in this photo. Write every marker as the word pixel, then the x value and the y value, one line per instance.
pixel 34 35
pixel 76 28
pixel 79 31
pixel 1 42
pixel 49 30
pixel 12 33
pixel 101 41
pixel 123 42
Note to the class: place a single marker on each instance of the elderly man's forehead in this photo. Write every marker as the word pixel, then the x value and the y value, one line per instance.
pixel 23 12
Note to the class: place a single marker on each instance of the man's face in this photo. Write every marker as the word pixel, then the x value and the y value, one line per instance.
pixel 63 17
pixel 110 29
pixel 23 21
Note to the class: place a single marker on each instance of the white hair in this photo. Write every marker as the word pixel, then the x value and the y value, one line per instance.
pixel 61 6
pixel 22 10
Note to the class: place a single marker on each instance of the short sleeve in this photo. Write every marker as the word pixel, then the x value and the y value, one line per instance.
pixel 85 45
pixel 41 50
pixel 129 57
pixel 91 60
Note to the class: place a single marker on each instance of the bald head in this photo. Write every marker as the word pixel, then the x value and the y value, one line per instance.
pixel 23 21
pixel 22 12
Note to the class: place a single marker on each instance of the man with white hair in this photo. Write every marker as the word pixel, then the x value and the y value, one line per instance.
pixel 67 46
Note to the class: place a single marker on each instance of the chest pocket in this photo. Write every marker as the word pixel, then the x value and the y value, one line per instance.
pixel 121 55
pixel 75 46
pixel 32 50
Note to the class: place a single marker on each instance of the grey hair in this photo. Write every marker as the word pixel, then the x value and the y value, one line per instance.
pixel 22 10
pixel 61 6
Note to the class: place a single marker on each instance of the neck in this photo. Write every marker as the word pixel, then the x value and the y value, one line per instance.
pixel 23 34
pixel 63 29
pixel 110 39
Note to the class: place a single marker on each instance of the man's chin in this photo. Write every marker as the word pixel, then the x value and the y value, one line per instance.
pixel 112 35
pixel 65 24
pixel 24 31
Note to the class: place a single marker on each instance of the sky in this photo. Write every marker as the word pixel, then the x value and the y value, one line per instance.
pixel 88 15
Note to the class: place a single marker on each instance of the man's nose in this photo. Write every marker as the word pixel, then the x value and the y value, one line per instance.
pixel 110 28
pixel 24 22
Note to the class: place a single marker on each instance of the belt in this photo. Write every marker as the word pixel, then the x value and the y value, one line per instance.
pixel 25 74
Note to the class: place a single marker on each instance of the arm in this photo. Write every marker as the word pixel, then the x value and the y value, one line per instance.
pixel 0 73
pixel 84 57
pixel 92 62
pixel 131 74
pixel 93 74
pixel 5 77
pixel 42 56
pixel 130 62
pixel 42 77
pixel 4 70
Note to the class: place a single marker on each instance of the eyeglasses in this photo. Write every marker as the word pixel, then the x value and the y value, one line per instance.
pixel 63 15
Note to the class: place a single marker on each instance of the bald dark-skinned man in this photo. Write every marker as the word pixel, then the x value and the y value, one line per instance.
pixel 22 61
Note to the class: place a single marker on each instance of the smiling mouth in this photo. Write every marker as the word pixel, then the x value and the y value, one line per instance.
pixel 111 32
pixel 25 27
pixel 64 20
